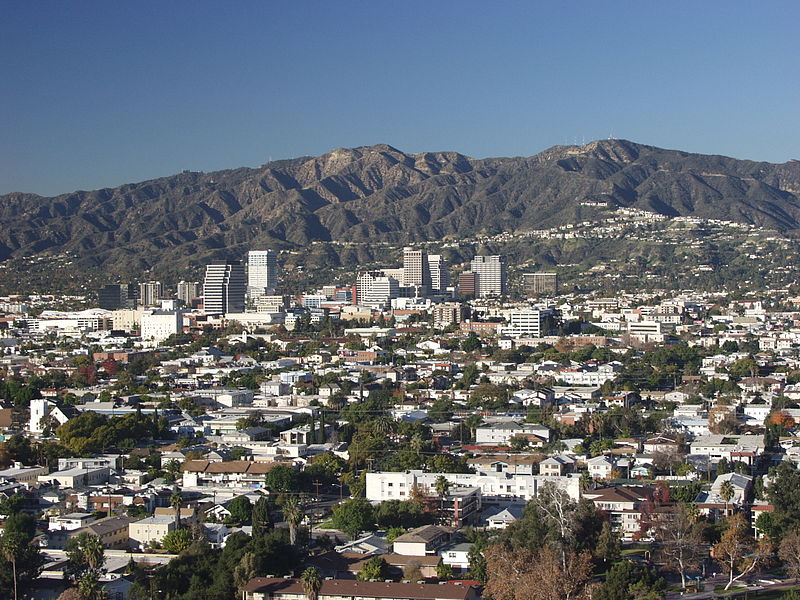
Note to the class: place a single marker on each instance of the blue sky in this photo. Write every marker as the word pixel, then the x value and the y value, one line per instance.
pixel 99 94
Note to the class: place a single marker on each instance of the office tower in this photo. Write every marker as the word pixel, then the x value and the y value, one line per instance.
pixel 467 283
pixel 376 290
pixel 415 269
pixel 224 287
pixel 526 323
pixel 150 293
pixel 188 291
pixel 440 276
pixel 540 284
pixel 116 296
pixel 262 273
pixel 490 277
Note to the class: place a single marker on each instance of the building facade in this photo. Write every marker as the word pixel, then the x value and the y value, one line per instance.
pixel 224 288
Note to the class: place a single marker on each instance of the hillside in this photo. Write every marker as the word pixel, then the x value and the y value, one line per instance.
pixel 381 193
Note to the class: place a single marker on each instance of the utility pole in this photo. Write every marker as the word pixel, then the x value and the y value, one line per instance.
pixel 316 484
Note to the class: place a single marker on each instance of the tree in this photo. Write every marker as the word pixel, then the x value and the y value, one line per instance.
pixel 21 560
pixel 471 343
pixel 784 494
pixel 789 553
pixel 444 571
pixel 354 516
pixel 627 580
pixel 282 479
pixel 177 541
pixel 85 553
pixel 90 586
pixel 11 547
pixel 442 486
pixel 726 492
pixel 293 515
pixel 735 550
pixel 241 510
pixel 312 583
pixel 245 570
pixel 175 501
pixel 525 575
pixel 260 516
pixel 679 538
pixel 375 568
pixel 608 545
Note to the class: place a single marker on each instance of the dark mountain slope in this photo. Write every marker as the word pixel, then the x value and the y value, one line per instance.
pixel 378 192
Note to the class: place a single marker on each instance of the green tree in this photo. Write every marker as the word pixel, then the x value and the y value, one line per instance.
pixel 20 560
pixel 241 510
pixel 375 568
pixel 608 545
pixel 85 553
pixel 293 514
pixel 260 516
pixel 177 541
pixel 312 583
pixel 354 516
pixel 282 479
pixel 784 494
pixel 627 580
pixel 444 571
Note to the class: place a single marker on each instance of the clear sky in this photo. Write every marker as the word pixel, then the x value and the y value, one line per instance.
pixel 99 93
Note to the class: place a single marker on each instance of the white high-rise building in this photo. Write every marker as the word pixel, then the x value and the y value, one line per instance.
pixel 440 276
pixel 158 325
pixel 376 290
pixel 224 288
pixel 490 273
pixel 416 271
pixel 262 273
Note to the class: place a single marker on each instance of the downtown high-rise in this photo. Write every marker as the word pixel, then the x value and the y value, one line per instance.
pixel 262 273
pixel 224 288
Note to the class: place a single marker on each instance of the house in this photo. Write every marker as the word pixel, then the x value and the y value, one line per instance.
pixel 503 518
pixel 264 588
pixel 77 477
pixel 557 465
pixel 600 467
pixel 514 464
pixel 422 541
pixel 152 529
pixel 235 473
pixel 111 531
pixel 623 504
pixel 70 521
pixel 456 555
pixel 664 442
pixel 501 433
pixel 712 504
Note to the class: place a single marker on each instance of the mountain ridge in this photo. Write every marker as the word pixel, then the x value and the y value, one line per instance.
pixel 379 192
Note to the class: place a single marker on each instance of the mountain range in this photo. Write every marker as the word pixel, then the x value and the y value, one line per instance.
pixel 380 193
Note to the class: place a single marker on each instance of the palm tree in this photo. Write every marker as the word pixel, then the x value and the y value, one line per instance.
pixel 93 552
pixel 726 492
pixel 175 502
pixel 293 515
pixel 11 548
pixel 312 583
pixel 90 588
pixel 441 485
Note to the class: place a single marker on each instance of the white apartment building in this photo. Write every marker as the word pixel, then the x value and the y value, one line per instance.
pixel 648 332
pixel 524 323
pixel 502 432
pixel 384 485
pixel 158 325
